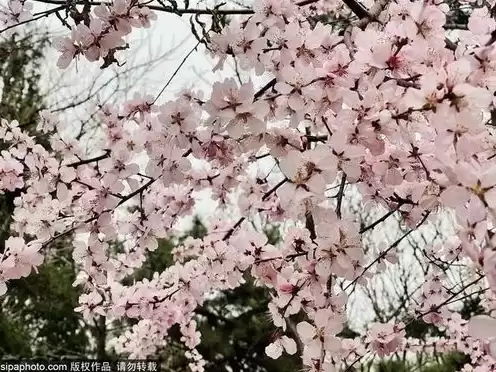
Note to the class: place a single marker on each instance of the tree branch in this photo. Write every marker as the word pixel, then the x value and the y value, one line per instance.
pixel 88 161
pixel 340 195
pixel 382 219
pixel 179 11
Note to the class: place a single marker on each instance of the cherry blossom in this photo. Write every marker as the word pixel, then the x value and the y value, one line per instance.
pixel 391 110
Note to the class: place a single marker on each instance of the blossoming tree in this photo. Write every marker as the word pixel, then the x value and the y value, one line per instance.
pixel 393 106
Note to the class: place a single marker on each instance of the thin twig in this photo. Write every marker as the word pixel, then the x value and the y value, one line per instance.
pixel 176 71
pixel 382 219
pixel 383 253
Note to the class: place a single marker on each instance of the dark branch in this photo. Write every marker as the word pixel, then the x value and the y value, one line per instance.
pixel 88 161
pixel 340 195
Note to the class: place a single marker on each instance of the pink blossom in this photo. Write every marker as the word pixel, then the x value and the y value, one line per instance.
pixel 275 349
pixel 386 338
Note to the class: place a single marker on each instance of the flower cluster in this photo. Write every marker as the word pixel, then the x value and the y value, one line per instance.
pixel 103 33
pixel 13 13
pixel 391 106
